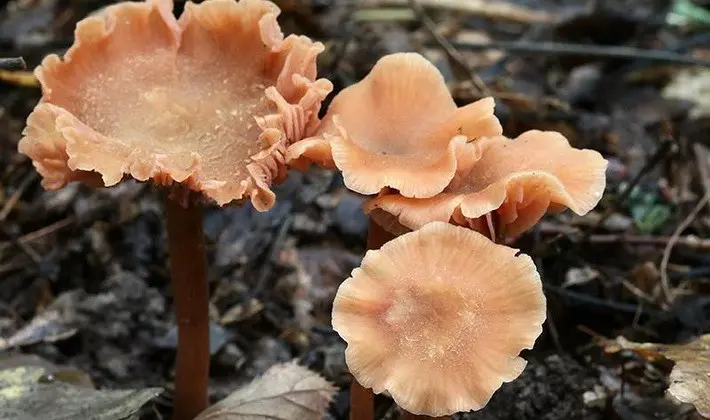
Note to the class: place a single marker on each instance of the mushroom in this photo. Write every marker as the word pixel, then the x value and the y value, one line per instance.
pixel 399 127
pixel 205 104
pixel 209 101
pixel 437 317
pixel 516 181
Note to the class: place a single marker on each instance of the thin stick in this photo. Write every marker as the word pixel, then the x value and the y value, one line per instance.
pixel 188 269
pixel 661 152
pixel 15 197
pixel 451 52
pixel 665 284
pixel 362 400
pixel 603 51
pixel 491 10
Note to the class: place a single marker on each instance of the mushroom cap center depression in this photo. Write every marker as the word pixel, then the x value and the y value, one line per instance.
pixel 175 106
pixel 434 319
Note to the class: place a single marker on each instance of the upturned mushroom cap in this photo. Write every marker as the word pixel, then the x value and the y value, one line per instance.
pixel 438 317
pixel 210 100
pixel 399 127
pixel 517 179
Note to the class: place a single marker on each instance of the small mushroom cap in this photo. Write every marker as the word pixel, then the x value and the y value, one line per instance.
pixel 399 127
pixel 437 317
pixel 210 100
pixel 518 179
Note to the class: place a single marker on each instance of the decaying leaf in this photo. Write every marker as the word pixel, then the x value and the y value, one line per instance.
pixel 693 85
pixel 38 390
pixel 285 392
pixel 690 377
pixel 46 327
pixel 53 324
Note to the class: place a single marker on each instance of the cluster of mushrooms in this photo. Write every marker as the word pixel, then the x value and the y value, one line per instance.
pixel 217 105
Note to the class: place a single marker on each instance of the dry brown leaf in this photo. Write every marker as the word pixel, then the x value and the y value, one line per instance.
pixel 285 392
pixel 690 377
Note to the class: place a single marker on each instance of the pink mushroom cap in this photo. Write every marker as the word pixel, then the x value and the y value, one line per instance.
pixel 399 127
pixel 518 180
pixel 209 101
pixel 437 317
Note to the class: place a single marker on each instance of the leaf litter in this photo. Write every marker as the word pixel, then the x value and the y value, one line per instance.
pixel 42 391
pixel 83 274
pixel 285 392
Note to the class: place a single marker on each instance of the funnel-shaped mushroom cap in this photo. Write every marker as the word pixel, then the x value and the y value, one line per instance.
pixel 209 101
pixel 437 317
pixel 399 128
pixel 518 179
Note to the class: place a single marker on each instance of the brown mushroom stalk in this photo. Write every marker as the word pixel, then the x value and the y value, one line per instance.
pixel 362 400
pixel 188 270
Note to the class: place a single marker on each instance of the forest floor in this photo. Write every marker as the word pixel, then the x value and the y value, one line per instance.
pixel 87 267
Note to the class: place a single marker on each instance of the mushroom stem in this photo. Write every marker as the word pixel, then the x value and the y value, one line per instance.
pixel 188 269
pixel 362 400
pixel 377 236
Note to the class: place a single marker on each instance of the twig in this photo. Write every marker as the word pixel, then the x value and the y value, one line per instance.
pixel 690 241
pixel 640 294
pixel 450 51
pixel 665 285
pixel 591 300
pixel 15 197
pixel 39 233
pixel 663 149
pixel 12 63
pixel 47 230
pixel 276 247
pixel 34 256
pixel 702 158
pixel 484 8
pixel 603 51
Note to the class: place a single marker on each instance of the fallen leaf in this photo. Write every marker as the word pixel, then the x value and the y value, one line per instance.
pixel 576 276
pixel 38 390
pixel 690 377
pixel 285 392
pixel 68 375
pixel 53 324
pixel 692 84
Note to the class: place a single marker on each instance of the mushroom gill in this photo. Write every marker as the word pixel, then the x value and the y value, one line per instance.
pixel 517 180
